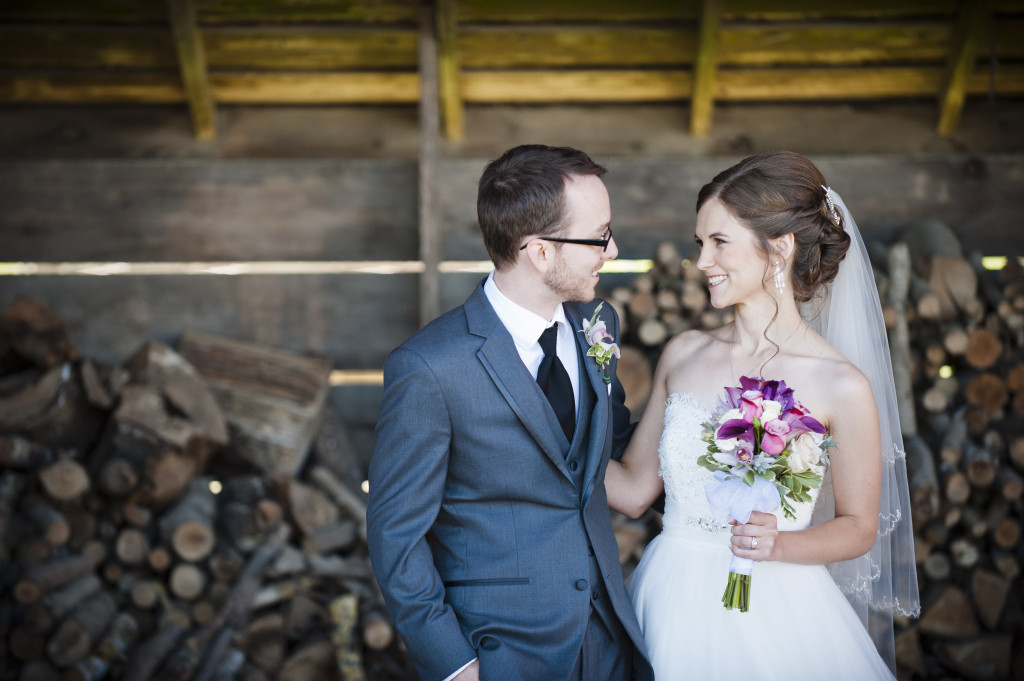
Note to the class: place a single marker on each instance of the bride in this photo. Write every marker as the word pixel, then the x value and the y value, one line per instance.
pixel 780 247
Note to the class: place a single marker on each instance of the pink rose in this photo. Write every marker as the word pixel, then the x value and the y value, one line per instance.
pixel 777 427
pixel 750 405
pixel 772 445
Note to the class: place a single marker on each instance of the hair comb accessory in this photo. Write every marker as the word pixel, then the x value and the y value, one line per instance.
pixel 831 206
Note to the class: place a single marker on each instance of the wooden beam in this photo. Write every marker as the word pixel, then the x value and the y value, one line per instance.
pixel 430 119
pixel 192 61
pixel 509 87
pixel 449 70
pixel 702 102
pixel 971 24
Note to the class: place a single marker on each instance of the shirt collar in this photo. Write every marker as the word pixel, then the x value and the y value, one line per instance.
pixel 524 326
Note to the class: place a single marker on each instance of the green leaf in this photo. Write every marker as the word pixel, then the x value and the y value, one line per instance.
pixel 748 478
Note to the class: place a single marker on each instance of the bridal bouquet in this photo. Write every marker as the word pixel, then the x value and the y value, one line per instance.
pixel 766 451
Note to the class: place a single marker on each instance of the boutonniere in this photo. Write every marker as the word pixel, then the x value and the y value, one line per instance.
pixel 596 333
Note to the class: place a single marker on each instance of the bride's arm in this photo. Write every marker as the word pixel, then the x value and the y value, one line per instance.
pixel 856 482
pixel 633 483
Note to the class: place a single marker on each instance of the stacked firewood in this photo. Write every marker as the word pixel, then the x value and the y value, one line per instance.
pixel 956 332
pixel 189 514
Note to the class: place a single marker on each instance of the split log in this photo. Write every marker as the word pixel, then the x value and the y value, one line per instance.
pixel 103 384
pixel 309 507
pixel 272 399
pixel 43 615
pixel 987 390
pixel 264 642
pixel 937 566
pixel 51 524
pixel 964 552
pixel 990 592
pixel 923 479
pixel 188 528
pixel 652 332
pixel 36 333
pixel 117 641
pixel 65 480
pixel 983 348
pixel 147 657
pixel 42 577
pixel 119 478
pixel 986 658
pixel 50 408
pixel 1007 534
pixel 980 467
pixel 81 629
pixel 952 616
pixel 636 375
pixel 909 654
pixel 158 366
pixel 957 488
pixel 187 581
pixel 132 547
pixel 312 662
pixel 345 613
pixel 338 536
pixel 304 616
pixel 17 452
pixel 956 340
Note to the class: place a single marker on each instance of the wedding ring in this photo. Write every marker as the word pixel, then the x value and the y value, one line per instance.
pixel 753 542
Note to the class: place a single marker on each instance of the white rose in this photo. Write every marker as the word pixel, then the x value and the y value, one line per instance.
pixel 772 410
pixel 805 451
pixel 732 414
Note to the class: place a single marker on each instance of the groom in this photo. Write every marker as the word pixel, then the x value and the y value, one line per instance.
pixel 488 523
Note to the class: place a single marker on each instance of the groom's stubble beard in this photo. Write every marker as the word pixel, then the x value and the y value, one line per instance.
pixel 567 283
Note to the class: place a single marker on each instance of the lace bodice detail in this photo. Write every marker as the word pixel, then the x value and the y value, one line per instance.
pixel 680 447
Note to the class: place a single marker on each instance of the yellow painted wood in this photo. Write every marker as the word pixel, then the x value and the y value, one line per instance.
pixel 192 63
pixel 766 44
pixel 139 88
pixel 312 48
pixel 703 100
pixel 611 11
pixel 545 46
pixel 486 87
pixel 316 88
pixel 491 87
pixel 449 69
pixel 970 32
pixel 309 48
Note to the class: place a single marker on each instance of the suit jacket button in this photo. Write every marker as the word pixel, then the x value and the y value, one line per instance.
pixel 489 643
pixel 581 585
pixel 596 595
pixel 573 466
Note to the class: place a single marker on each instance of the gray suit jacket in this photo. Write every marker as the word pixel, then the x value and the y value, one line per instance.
pixel 478 535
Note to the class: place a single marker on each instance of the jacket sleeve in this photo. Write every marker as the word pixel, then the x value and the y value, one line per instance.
pixel 407 482
pixel 622 425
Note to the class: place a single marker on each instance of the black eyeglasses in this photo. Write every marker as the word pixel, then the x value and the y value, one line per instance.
pixel 603 242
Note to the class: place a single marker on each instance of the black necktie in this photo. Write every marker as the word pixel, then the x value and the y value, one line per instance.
pixel 554 381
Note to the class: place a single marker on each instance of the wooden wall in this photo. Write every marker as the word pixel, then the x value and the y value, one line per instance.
pixel 334 215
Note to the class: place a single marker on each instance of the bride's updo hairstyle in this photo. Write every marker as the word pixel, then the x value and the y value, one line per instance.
pixel 782 192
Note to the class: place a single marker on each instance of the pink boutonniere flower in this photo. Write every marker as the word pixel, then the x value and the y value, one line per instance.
pixel 602 345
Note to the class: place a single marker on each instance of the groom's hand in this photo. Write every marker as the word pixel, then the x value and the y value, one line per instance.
pixel 470 673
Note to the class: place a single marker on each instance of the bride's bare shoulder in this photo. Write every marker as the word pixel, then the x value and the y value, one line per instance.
pixel 685 345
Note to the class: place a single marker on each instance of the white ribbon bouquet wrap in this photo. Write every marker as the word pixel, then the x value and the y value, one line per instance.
pixel 766 451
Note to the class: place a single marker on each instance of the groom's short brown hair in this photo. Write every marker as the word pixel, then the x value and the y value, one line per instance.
pixel 523 193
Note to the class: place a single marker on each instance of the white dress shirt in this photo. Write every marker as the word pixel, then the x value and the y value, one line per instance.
pixel 526 328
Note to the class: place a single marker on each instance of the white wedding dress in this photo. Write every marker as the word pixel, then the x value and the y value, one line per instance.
pixel 799 625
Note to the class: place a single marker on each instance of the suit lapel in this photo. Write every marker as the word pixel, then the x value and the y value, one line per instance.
pixel 600 419
pixel 501 360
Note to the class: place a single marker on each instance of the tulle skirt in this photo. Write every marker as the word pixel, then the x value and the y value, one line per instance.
pixel 799 625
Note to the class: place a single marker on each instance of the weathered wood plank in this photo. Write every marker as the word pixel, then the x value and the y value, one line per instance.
pixel 311 88
pixel 448 70
pixel 971 26
pixel 490 87
pixel 661 10
pixel 211 11
pixel 428 177
pixel 313 48
pixel 356 319
pixel 702 101
pixel 653 200
pixel 195 210
pixel 192 65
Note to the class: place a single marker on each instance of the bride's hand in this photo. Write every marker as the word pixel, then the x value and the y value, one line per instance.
pixel 756 539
